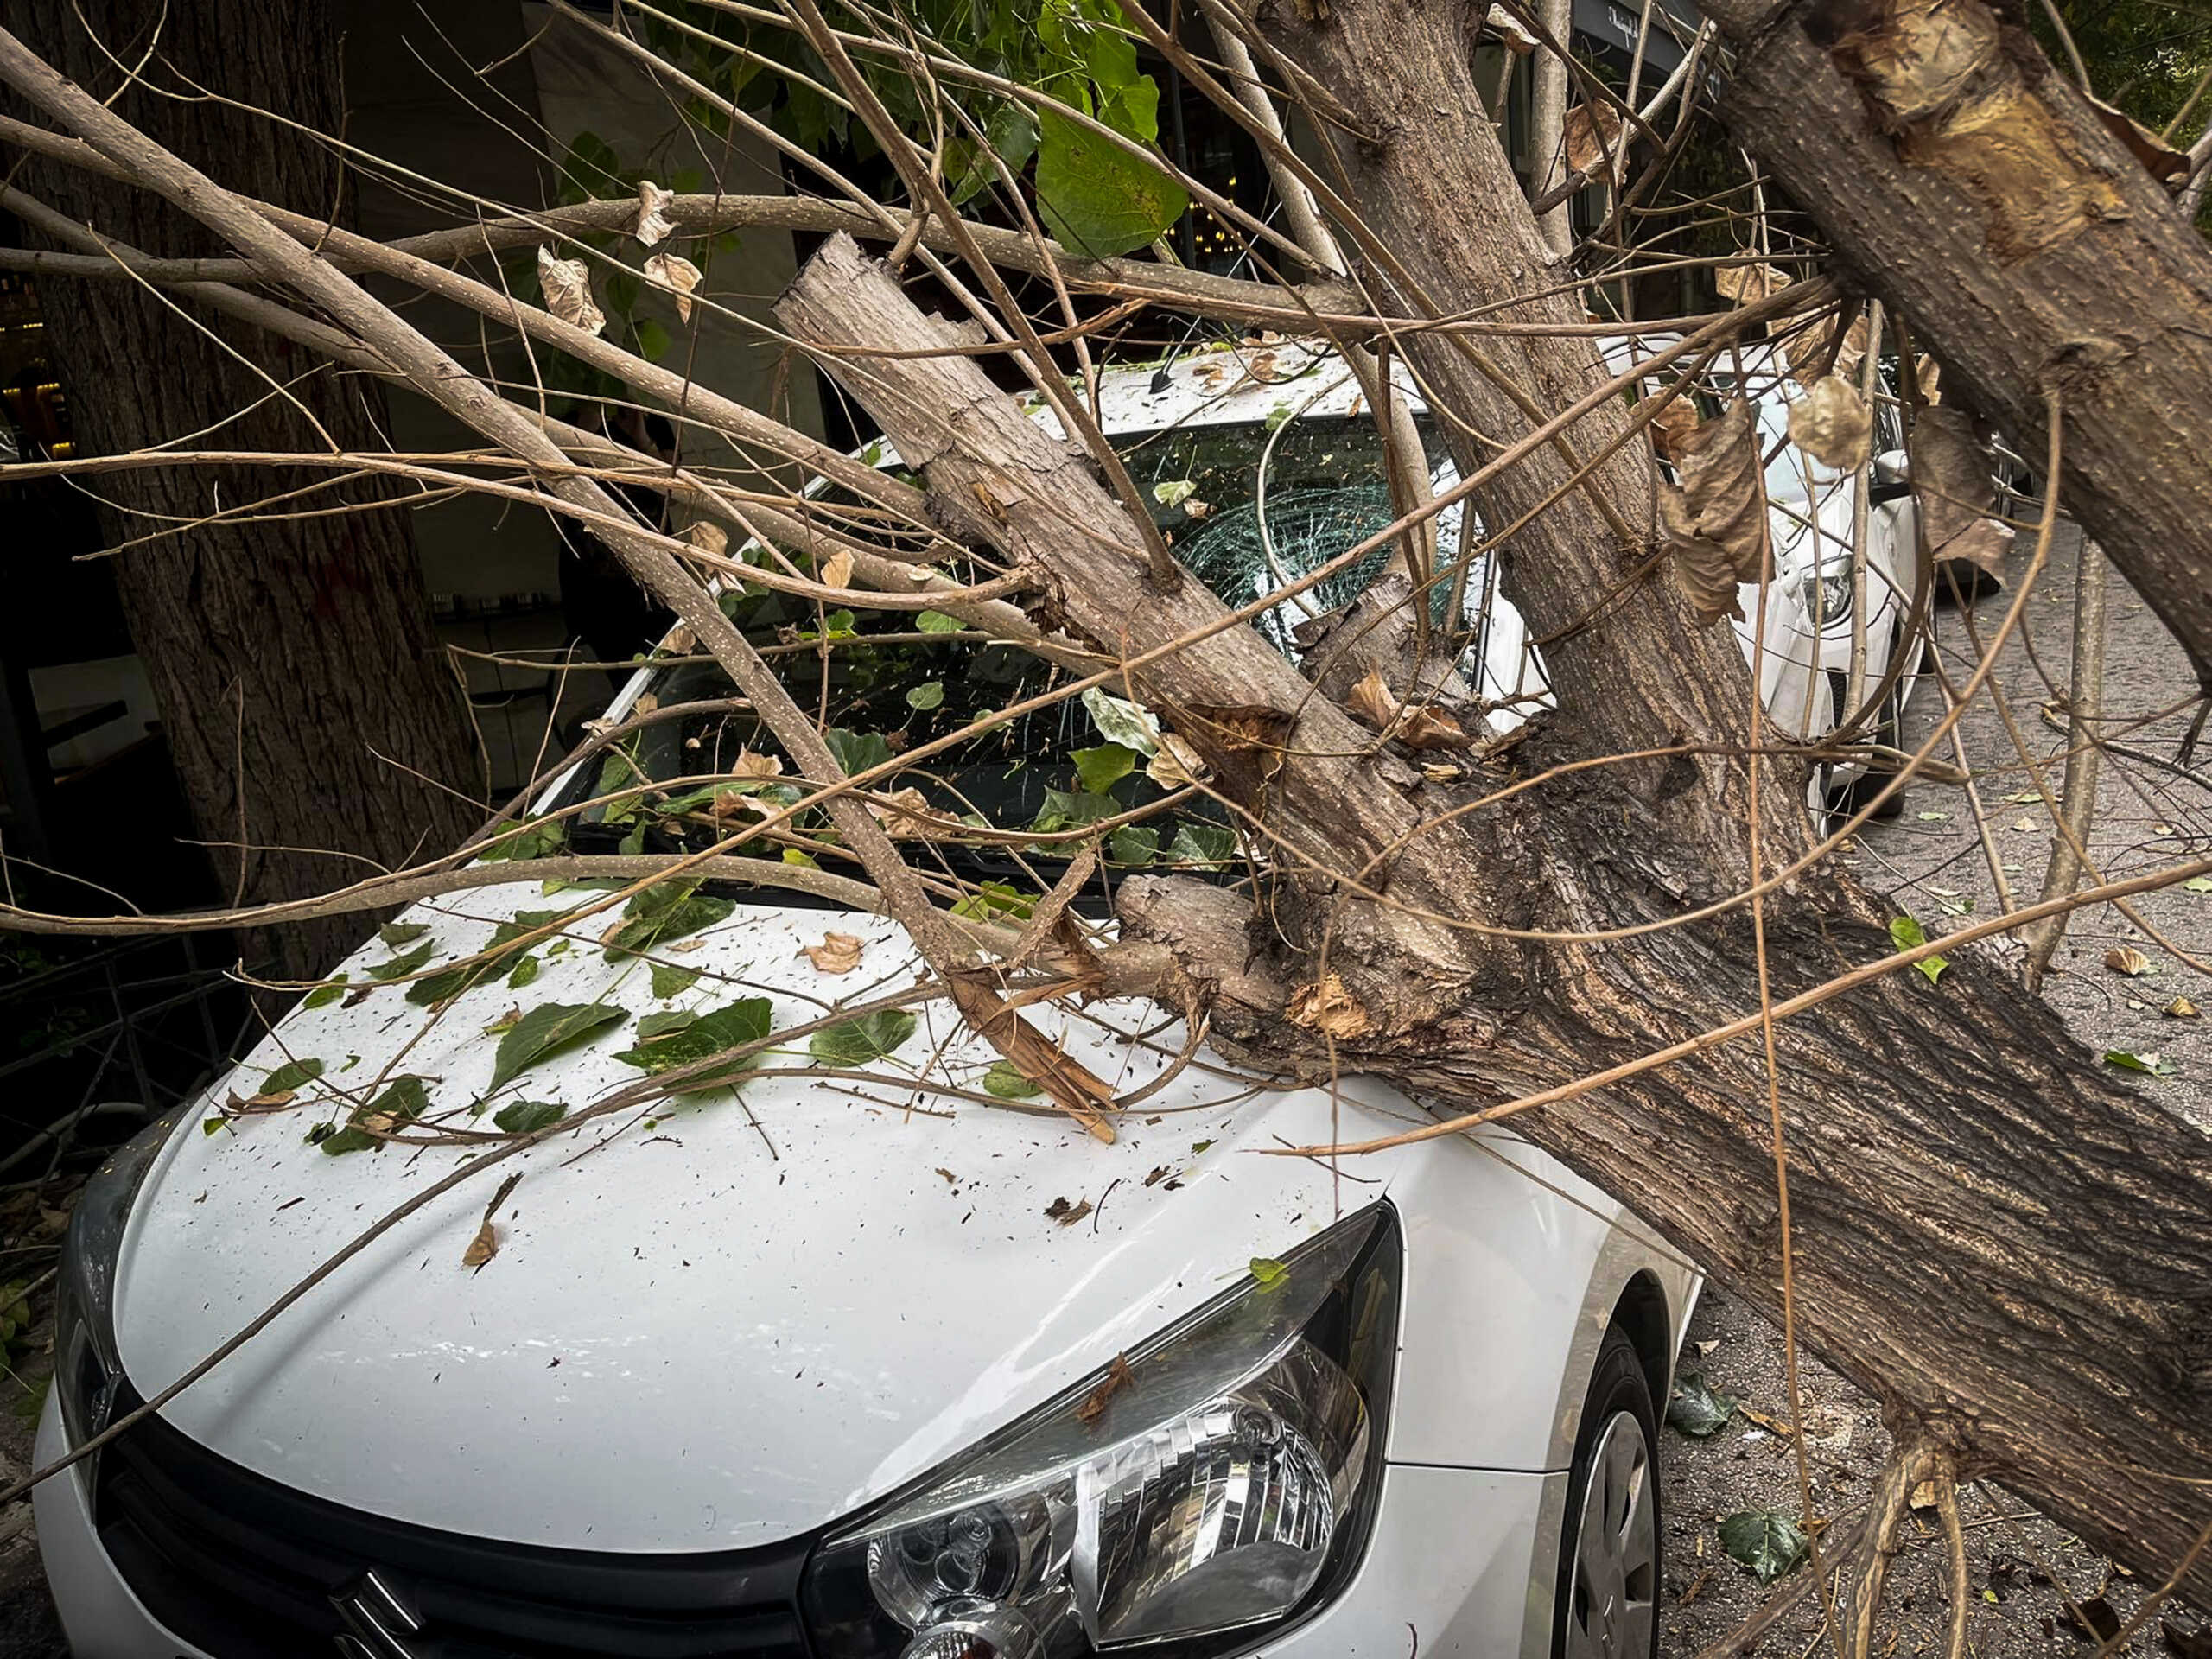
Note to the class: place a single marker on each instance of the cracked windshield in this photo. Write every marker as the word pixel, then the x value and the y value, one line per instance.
pixel 1248 508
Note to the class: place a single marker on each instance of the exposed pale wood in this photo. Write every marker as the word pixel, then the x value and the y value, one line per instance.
pixel 2120 311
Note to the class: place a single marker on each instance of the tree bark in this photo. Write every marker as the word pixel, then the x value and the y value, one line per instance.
pixel 1949 1142
pixel 1975 191
pixel 293 661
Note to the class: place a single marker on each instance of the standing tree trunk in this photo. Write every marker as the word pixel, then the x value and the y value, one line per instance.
pixel 293 660
pixel 1978 194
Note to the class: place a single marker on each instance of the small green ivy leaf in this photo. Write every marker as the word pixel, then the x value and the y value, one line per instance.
pixel 1101 768
pixel 528 1116
pixel 396 934
pixel 862 1041
pixel 1133 843
pixel 671 981
pixel 1268 1273
pixel 2154 1065
pixel 293 1074
pixel 545 1030
pixel 936 622
pixel 858 751
pixel 399 966
pixel 326 994
pixel 1698 1409
pixel 928 694
pixel 1120 720
pixel 675 1039
pixel 1174 492
pixel 210 1125
pixel 2197 884
pixel 994 899
pixel 1202 843
pixel 1006 1082
pixel 670 910
pixel 1907 934
pixel 1766 1541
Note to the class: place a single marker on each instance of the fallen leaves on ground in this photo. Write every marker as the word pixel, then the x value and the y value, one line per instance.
pixel 1418 727
pixel 2126 959
pixel 1768 1542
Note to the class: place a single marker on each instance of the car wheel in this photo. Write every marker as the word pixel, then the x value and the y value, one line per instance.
pixel 1608 1604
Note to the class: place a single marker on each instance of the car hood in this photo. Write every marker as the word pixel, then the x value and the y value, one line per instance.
pixel 717 1327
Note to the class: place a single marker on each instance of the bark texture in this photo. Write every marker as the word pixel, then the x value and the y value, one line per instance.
pixel 286 657
pixel 2010 1249
pixel 1976 191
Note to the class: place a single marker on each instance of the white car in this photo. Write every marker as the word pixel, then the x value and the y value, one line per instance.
pixel 833 1362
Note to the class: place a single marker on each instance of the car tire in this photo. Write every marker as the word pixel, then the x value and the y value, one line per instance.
pixel 1607 1604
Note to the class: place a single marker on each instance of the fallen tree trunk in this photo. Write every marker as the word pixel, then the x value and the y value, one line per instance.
pixel 1948 1140
pixel 1976 191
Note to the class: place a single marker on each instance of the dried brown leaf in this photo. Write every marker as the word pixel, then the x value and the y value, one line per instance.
pixel 1594 142
pixel 1716 518
pixel 1510 32
pixel 2126 959
pixel 653 223
pixel 708 536
pixel 678 275
pixel 1955 488
pixel 1068 1214
pixel 1094 1404
pixel 1175 763
pixel 838 953
pixel 566 285
pixel 482 1247
pixel 2182 1009
pixel 1832 423
pixel 1675 421
pixel 1747 283
pixel 836 570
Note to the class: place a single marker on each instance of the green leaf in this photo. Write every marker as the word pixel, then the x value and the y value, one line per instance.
pixel 293 1074
pixel 1907 934
pixel 1268 1273
pixel 443 988
pixel 675 1039
pixel 528 1116
pixel 996 899
pixel 1200 842
pixel 545 1030
pixel 928 694
pixel 937 622
pixel 671 981
pixel 403 1100
pixel 1174 492
pixel 396 934
pixel 1121 721
pixel 1102 768
pixel 398 967
pixel 857 751
pixel 1698 1410
pixel 1766 1541
pixel 1133 843
pixel 653 339
pixel 209 1125
pixel 326 994
pixel 666 910
pixel 2197 884
pixel 525 841
pixel 2155 1066
pixel 862 1041
pixel 1095 197
pixel 1006 1082
pixel 1061 811
pixel 525 971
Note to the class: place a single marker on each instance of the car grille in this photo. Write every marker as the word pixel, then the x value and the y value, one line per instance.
pixel 247 1569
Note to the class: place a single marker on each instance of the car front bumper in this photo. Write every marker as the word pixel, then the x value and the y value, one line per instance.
pixel 1460 1564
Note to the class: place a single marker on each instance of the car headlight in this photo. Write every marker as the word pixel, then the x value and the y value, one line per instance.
pixel 1220 1478
pixel 86 1368
pixel 1826 594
